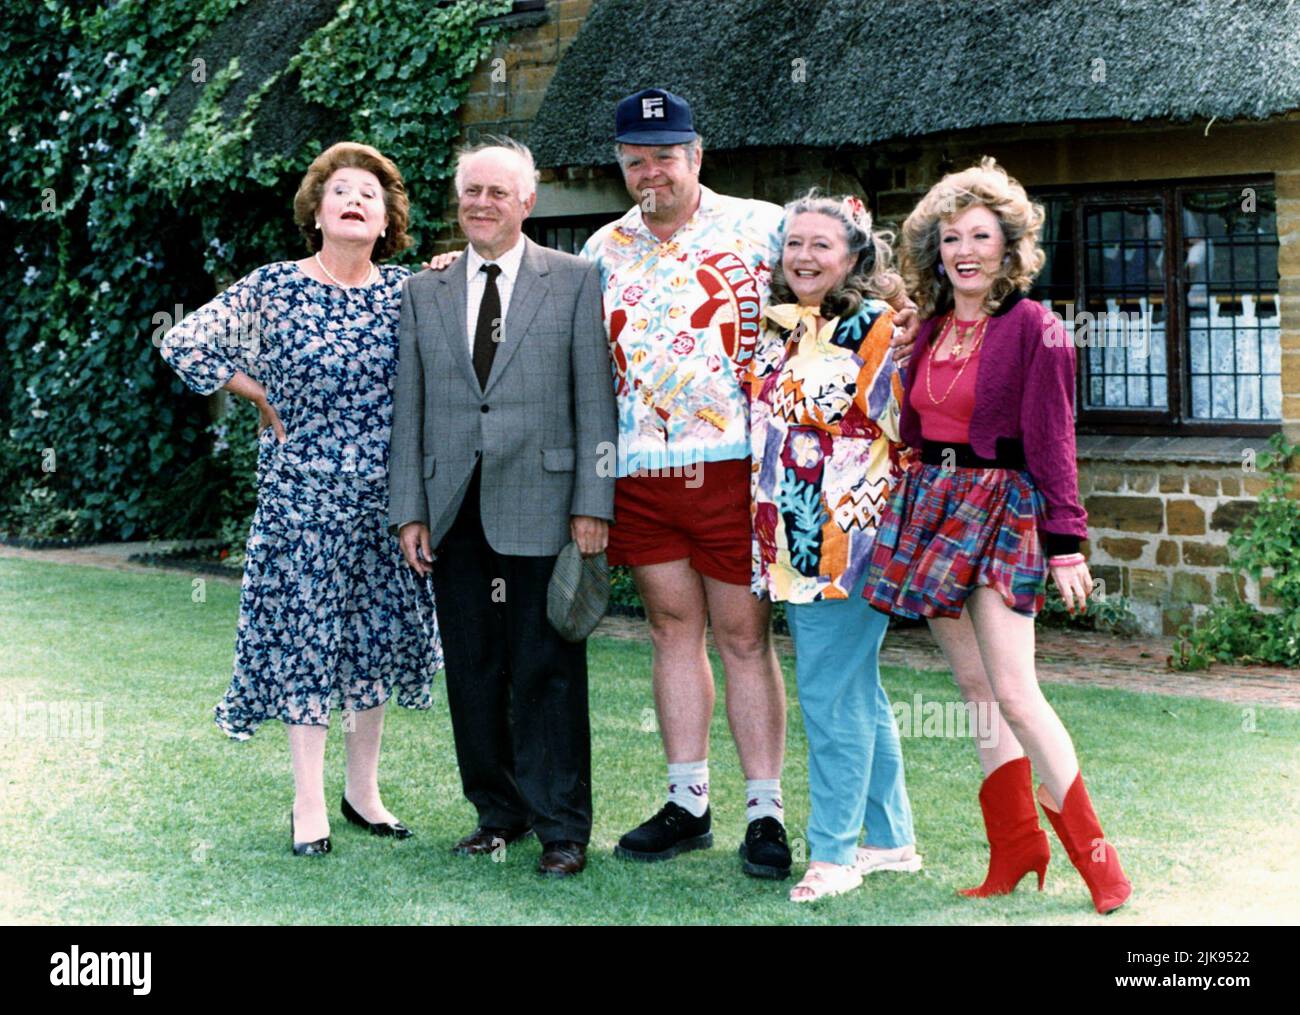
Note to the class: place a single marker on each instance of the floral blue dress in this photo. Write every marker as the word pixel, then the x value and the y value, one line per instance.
pixel 328 611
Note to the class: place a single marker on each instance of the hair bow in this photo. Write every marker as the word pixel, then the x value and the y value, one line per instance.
pixel 857 213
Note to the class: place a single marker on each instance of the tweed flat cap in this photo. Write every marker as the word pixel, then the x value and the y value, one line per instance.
pixel 578 594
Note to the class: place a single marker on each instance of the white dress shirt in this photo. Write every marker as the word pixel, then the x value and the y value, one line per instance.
pixel 476 281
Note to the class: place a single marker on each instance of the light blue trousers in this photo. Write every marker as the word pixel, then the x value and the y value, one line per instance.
pixel 855 762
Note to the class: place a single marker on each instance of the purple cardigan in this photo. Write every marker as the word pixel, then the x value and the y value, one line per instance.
pixel 1024 390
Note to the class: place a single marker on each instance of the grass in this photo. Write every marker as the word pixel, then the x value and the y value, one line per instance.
pixel 164 820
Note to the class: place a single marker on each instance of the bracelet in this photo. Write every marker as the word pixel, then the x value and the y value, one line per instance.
pixel 1067 560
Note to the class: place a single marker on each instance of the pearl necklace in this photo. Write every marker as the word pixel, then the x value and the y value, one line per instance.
pixel 369 277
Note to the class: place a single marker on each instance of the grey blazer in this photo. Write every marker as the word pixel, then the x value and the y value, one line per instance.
pixel 545 426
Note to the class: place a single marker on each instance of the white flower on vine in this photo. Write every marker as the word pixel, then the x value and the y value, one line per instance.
pixel 31 275
pixel 65 116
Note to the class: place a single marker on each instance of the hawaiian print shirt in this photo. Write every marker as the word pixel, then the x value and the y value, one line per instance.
pixel 683 318
pixel 824 436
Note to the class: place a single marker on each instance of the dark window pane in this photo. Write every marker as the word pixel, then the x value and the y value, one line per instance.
pixel 1124 280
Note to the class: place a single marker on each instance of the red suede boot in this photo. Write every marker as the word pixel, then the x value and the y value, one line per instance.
pixel 1093 857
pixel 1017 843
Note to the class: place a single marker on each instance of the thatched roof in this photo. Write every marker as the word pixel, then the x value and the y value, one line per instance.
pixel 264 35
pixel 877 70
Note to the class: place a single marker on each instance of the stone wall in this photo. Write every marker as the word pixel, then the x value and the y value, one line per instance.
pixel 507 88
pixel 1159 530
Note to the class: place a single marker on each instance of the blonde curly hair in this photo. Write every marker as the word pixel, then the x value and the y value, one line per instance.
pixel 986 184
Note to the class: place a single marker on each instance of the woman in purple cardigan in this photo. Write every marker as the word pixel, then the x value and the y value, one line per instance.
pixel 990 404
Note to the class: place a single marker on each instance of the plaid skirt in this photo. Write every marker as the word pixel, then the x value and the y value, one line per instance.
pixel 948 531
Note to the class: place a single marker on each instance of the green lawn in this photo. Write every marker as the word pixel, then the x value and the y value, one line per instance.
pixel 165 821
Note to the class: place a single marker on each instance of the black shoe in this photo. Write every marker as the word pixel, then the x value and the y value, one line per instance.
pixel 489 840
pixel 318 848
pixel 765 853
pixel 396 830
pixel 563 859
pixel 673 830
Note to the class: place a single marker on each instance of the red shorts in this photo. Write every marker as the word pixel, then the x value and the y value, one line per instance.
pixel 702 516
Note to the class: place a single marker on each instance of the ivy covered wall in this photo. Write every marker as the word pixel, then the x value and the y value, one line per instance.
pixel 152 152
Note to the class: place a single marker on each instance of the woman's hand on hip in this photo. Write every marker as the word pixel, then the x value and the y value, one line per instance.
pixel 267 416
pixel 250 390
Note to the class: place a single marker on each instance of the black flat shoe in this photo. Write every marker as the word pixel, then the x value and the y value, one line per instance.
pixel 318 848
pixel 396 830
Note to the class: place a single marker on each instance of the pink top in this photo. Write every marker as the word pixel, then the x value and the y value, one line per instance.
pixel 945 419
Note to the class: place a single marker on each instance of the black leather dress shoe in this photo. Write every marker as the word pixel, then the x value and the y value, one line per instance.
pixel 396 830
pixel 318 848
pixel 562 859
pixel 485 840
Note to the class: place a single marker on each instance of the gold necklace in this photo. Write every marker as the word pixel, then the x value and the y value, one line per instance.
pixel 962 335
pixel 978 329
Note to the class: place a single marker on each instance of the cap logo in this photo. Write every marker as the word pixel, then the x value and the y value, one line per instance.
pixel 652 107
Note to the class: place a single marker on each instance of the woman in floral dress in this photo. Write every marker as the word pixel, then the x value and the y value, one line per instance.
pixel 328 612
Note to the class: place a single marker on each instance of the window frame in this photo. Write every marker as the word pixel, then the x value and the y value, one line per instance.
pixel 535 228
pixel 1176 420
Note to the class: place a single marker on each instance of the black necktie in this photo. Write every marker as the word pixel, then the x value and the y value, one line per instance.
pixel 487 332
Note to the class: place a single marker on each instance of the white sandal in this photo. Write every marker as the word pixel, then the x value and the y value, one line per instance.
pixel 874 858
pixel 822 882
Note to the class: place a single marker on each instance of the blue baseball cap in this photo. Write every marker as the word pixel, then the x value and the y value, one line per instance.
pixel 654 116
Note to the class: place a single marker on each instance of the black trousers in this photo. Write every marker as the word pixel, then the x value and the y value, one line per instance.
pixel 517 690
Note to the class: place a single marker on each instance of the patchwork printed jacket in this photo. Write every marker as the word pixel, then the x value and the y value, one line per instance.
pixel 826 451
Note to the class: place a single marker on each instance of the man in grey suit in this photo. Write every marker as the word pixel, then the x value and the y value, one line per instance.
pixel 503 421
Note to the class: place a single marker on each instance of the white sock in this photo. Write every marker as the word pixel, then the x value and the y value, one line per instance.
pixel 688 786
pixel 763 800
